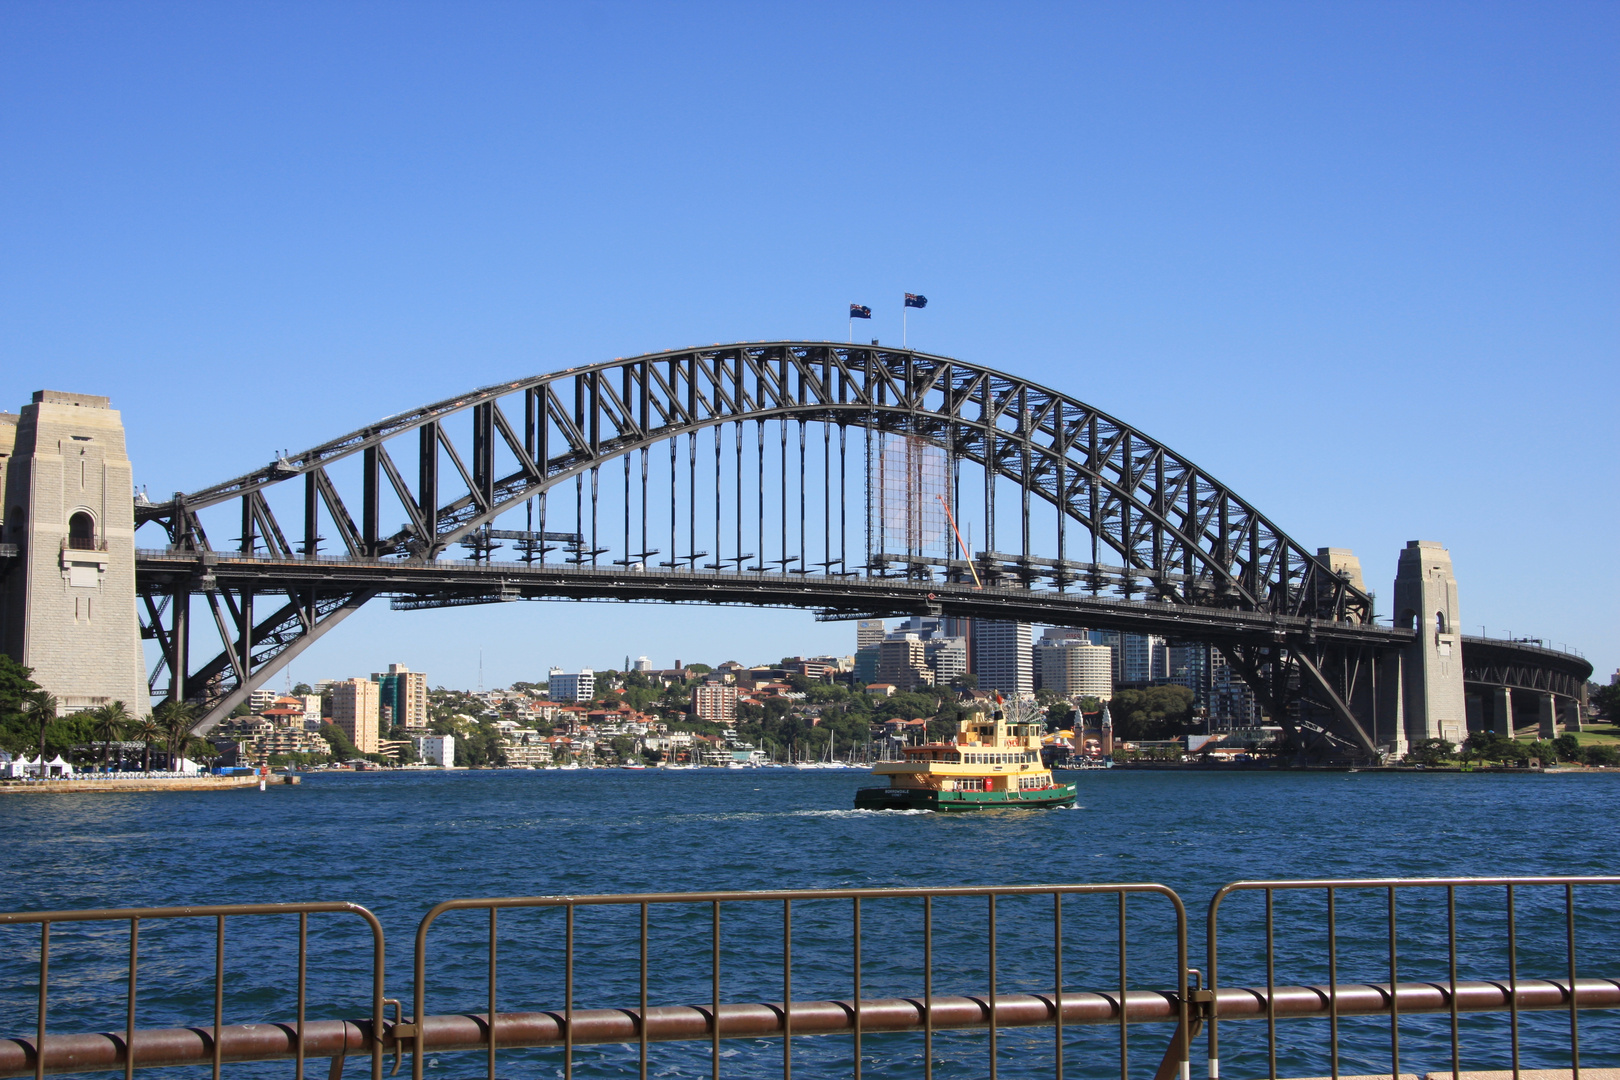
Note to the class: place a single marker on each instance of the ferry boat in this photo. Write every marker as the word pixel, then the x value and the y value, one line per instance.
pixel 993 762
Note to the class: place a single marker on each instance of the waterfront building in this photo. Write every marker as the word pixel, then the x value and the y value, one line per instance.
pixel 356 710
pixel 404 692
pixel 437 750
pixel 1001 656
pixel 1074 668
pixel 571 686
pixel 260 700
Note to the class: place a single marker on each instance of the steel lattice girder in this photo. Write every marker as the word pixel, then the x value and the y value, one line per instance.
pixel 1166 520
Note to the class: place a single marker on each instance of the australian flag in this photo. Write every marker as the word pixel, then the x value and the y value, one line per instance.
pixel 913 300
pixel 859 311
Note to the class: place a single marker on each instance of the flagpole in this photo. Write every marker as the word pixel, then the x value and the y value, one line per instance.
pixel 903 314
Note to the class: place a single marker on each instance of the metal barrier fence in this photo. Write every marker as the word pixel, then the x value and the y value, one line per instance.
pixel 188 1046
pixel 1393 998
pixel 857 1017
pixel 1175 1002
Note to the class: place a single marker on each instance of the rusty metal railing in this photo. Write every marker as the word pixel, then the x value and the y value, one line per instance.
pixel 856 1017
pixel 1172 1002
pixel 1395 999
pixel 188 1046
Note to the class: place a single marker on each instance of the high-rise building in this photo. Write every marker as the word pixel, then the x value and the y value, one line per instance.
pixel 404 693
pixel 869 632
pixel 1231 703
pixel 715 702
pixel 1143 658
pixel 1002 659
pixel 1190 667
pixel 903 662
pixel 1075 668
pixel 571 686
pixel 866 663
pixel 355 710
pixel 947 658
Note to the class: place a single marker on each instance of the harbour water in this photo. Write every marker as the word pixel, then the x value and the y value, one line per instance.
pixel 399 842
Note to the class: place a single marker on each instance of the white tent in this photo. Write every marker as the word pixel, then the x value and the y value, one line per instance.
pixel 56 767
pixel 13 768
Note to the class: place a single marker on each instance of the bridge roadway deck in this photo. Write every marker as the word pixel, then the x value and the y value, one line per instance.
pixel 452 580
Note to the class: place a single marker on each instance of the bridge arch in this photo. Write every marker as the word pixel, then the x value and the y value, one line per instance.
pixel 1136 533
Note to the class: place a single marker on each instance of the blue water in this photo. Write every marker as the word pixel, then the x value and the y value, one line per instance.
pixel 398 843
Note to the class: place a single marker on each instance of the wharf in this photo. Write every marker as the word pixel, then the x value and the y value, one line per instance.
pixel 125 785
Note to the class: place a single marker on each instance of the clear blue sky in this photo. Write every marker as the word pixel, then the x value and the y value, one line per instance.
pixel 1360 261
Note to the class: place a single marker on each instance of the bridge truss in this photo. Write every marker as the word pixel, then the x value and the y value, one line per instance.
pixel 747 473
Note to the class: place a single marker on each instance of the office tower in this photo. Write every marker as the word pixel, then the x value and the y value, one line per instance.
pixel 869 632
pixel 1143 658
pixel 1001 656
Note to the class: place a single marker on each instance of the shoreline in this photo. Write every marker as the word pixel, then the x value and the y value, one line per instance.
pixel 125 785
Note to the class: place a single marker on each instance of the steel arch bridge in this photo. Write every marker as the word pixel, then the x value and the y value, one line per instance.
pixel 724 475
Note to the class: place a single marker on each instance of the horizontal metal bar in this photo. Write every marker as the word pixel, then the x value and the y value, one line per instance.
pixel 197 911
pixel 673 1023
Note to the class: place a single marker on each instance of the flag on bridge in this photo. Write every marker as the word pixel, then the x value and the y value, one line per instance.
pixel 859 311
pixel 913 300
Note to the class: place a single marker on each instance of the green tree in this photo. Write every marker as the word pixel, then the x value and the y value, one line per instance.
pixel 1606 699
pixel 1567 747
pixel 176 718
pixel 1158 712
pixel 1431 751
pixel 108 723
pixel 342 748
pixel 1601 755
pixel 42 708
pixel 148 731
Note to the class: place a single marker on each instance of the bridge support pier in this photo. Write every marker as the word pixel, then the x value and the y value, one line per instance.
pixel 1502 712
pixel 1476 713
pixel 1547 715
pixel 1572 716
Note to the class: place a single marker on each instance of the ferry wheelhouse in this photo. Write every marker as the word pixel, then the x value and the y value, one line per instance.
pixel 992 762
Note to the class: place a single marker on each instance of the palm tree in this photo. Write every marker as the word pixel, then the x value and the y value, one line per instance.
pixel 148 731
pixel 176 719
pixel 108 723
pixel 41 707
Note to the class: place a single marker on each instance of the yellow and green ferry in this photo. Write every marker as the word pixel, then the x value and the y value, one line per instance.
pixel 993 762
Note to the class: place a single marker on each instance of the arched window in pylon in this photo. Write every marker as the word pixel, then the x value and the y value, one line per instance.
pixel 82 532
pixel 1439 622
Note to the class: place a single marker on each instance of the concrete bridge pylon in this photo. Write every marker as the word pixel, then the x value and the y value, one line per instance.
pixel 67 577
pixel 1432 680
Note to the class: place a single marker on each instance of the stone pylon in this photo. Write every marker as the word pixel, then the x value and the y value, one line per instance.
pixel 67 600
pixel 1432 667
